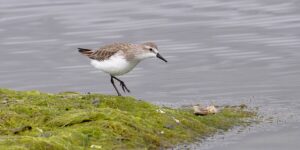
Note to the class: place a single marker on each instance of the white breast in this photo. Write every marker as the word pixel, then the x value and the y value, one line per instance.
pixel 116 65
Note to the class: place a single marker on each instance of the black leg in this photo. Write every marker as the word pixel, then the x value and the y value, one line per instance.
pixel 124 87
pixel 113 83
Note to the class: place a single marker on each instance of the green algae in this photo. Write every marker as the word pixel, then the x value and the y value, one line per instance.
pixel 31 120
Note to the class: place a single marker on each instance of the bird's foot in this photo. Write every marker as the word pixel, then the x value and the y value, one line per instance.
pixel 124 87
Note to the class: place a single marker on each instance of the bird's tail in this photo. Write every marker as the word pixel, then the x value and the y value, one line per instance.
pixel 86 52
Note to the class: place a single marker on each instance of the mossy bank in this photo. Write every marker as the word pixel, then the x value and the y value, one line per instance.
pixel 40 121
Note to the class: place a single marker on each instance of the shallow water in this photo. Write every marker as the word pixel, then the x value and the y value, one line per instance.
pixel 219 51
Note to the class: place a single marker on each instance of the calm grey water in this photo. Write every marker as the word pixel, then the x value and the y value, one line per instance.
pixel 219 51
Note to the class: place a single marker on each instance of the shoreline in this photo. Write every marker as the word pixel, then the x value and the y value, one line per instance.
pixel 70 120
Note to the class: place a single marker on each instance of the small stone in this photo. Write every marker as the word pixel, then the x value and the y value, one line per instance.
pixel 46 134
pixel 21 129
pixel 96 102
pixel 96 146
pixel 211 109
pixel 40 130
pixel 176 120
pixel 5 102
pixel 169 126
pixel 200 111
pixel 160 111
pixel 242 106
pixel 204 110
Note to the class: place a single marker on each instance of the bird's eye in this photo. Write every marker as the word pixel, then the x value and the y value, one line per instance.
pixel 151 49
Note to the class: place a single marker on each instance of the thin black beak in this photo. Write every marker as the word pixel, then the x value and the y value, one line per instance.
pixel 160 57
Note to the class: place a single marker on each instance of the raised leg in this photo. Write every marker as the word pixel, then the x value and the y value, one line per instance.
pixel 124 87
pixel 113 83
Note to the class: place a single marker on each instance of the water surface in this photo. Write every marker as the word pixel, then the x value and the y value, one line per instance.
pixel 219 51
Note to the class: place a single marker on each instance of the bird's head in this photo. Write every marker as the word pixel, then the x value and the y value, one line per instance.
pixel 150 50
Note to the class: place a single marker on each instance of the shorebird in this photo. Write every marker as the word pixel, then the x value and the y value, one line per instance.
pixel 120 58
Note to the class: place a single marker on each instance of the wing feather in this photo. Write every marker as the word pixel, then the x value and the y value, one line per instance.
pixel 107 51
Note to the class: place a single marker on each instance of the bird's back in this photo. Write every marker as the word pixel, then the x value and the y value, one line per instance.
pixel 105 52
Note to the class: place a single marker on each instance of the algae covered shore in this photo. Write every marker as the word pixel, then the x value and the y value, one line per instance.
pixel 41 121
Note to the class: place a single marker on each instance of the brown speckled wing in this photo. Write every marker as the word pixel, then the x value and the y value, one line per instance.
pixel 107 51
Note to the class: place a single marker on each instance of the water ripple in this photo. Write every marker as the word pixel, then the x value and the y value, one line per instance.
pixel 218 50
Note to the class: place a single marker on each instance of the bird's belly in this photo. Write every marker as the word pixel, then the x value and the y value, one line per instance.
pixel 115 66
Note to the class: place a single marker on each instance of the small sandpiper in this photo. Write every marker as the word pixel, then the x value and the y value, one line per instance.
pixel 120 58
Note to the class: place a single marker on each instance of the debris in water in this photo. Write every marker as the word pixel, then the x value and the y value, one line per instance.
pixel 198 110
